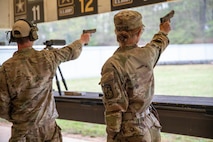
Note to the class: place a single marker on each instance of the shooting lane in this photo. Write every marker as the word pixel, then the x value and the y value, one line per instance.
pixel 179 115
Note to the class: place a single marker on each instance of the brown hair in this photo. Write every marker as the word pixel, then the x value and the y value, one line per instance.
pixel 124 35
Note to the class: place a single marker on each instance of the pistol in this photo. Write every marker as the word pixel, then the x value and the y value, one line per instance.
pixel 167 17
pixel 89 31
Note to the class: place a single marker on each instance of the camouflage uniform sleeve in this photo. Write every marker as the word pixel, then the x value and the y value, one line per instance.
pixel 160 40
pixel 115 100
pixel 158 44
pixel 76 48
pixel 69 52
pixel 4 96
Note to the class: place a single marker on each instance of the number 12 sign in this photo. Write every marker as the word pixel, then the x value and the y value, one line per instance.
pixel 75 8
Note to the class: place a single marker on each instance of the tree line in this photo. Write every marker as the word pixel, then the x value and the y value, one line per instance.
pixel 192 23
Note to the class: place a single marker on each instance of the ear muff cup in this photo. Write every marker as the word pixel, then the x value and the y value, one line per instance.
pixel 12 38
pixel 33 32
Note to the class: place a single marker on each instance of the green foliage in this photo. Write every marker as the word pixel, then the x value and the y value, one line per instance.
pixel 209 32
pixel 192 23
pixel 2 36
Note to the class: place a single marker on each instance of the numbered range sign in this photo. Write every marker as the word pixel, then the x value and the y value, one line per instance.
pixel 31 10
pixel 75 8
pixel 123 4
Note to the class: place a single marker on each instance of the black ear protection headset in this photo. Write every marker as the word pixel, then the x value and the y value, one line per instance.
pixel 32 35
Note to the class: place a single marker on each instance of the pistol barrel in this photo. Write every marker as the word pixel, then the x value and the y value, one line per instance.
pixel 89 31
pixel 167 17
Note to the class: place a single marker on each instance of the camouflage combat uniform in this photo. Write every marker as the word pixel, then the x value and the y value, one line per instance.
pixel 26 97
pixel 128 86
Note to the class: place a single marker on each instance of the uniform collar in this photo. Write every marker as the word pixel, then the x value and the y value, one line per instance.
pixel 127 47
pixel 24 50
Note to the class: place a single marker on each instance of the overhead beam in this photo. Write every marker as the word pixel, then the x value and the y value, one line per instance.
pixel 41 11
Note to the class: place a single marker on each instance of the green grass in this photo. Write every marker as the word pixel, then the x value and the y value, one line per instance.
pixel 83 128
pixel 184 80
pixel 179 80
pixel 82 84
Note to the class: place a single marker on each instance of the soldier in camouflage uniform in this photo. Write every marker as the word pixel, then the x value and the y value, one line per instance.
pixel 26 97
pixel 128 81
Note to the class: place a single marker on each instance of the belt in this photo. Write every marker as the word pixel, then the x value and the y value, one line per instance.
pixel 133 116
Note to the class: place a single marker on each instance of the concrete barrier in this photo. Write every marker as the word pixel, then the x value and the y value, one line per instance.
pixel 90 62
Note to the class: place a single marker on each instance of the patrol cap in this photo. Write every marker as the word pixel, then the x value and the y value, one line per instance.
pixel 127 20
pixel 21 29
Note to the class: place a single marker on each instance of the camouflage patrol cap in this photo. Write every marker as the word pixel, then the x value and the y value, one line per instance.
pixel 127 20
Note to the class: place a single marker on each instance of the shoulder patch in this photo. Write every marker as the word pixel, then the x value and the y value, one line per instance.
pixel 108 93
